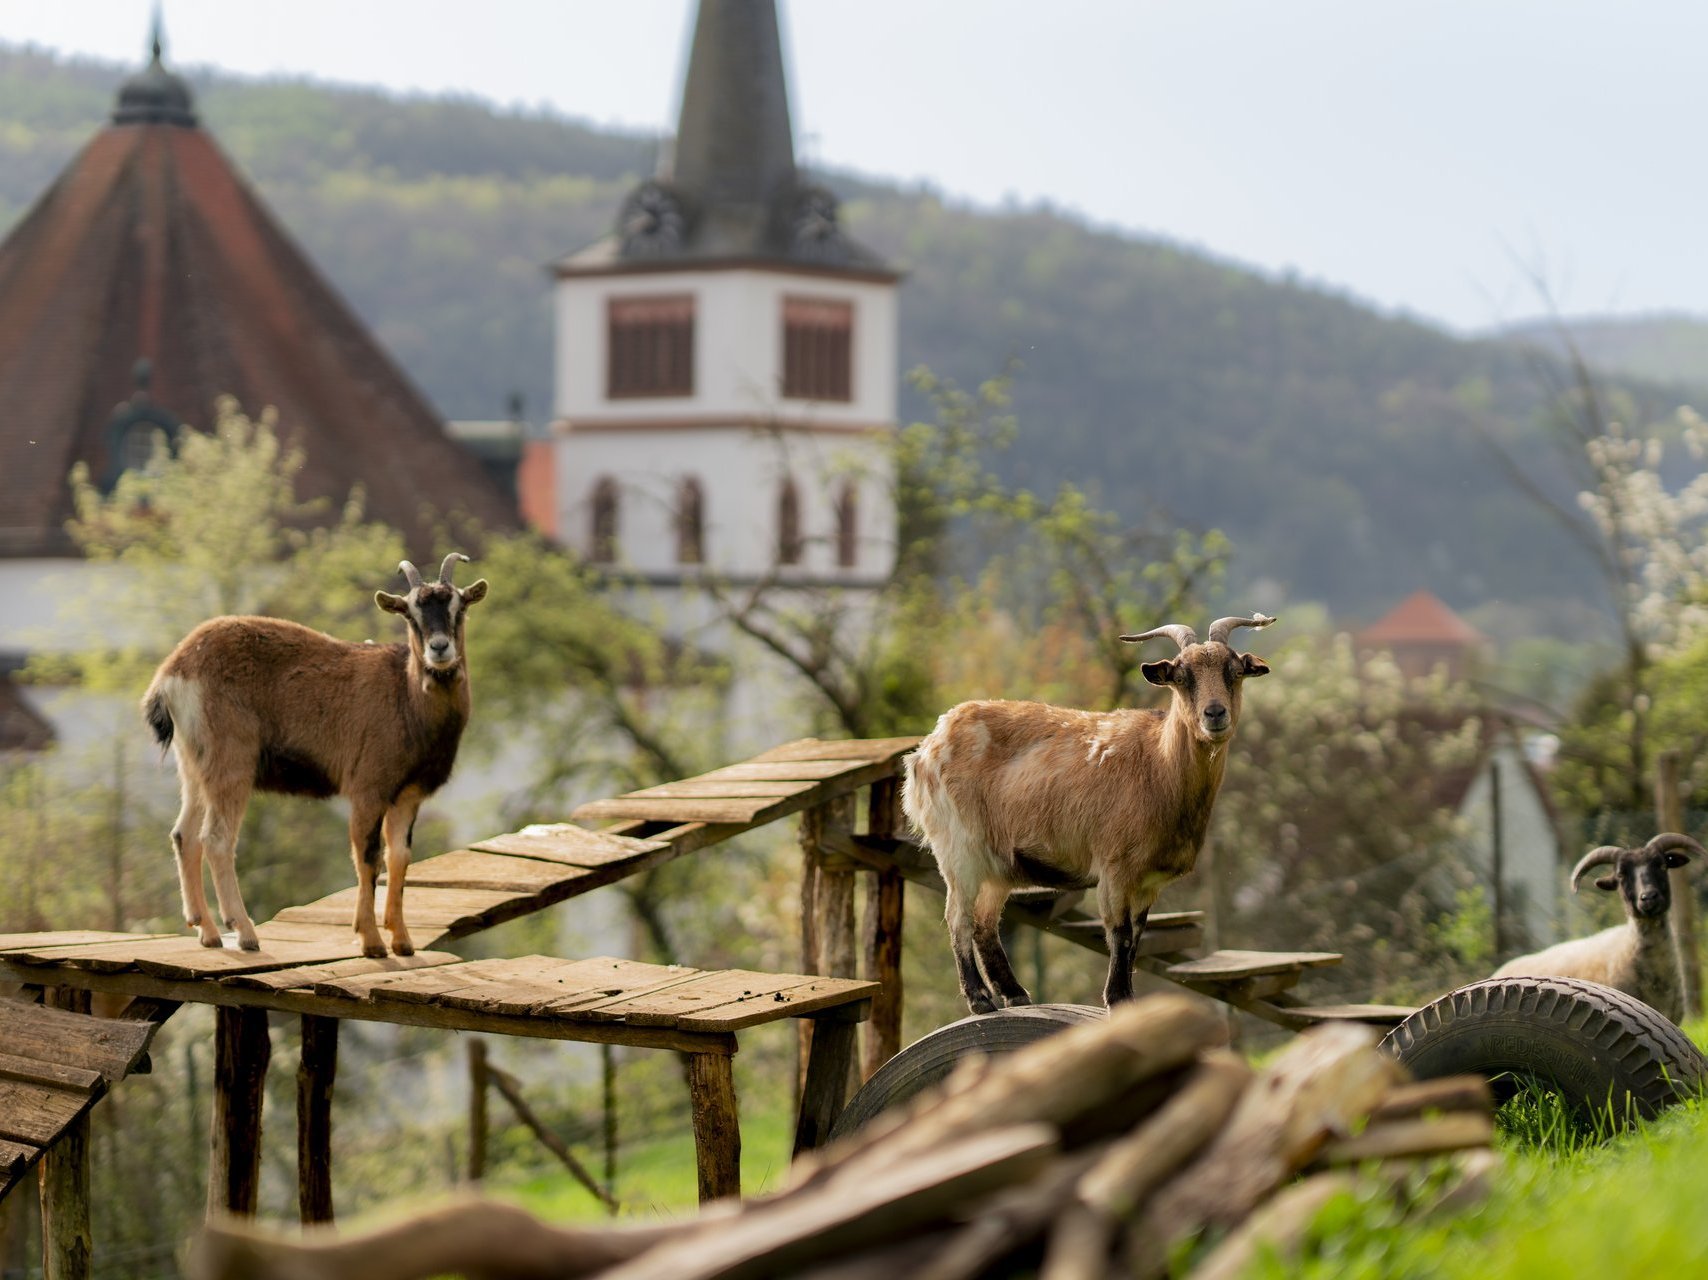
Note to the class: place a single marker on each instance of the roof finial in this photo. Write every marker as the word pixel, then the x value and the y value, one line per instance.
pixel 159 24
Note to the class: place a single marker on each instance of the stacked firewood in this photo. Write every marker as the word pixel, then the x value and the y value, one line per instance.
pixel 1107 1148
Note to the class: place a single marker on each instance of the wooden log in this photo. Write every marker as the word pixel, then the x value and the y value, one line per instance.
pixel 1081 1240
pixel 885 912
pixel 1137 1164
pixel 783 1236
pixel 1008 1222
pixel 1446 1094
pixel 717 1125
pixel 317 1070
pixel 241 1052
pixel 825 1089
pixel 1412 1137
pixel 1082 1071
pixel 1278 1227
pixel 472 1237
pixel 1317 1086
pixel 67 1242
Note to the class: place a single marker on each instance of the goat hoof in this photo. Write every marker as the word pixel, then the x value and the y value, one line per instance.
pixel 402 947
pixel 215 941
pixel 1015 1002
pixel 374 950
pixel 981 1004
pixel 249 944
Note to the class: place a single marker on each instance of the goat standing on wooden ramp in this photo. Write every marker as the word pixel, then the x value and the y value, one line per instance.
pixel 264 703
pixel 1021 793
pixel 1637 957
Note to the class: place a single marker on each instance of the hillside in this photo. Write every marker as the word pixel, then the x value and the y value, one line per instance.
pixel 1663 348
pixel 1342 449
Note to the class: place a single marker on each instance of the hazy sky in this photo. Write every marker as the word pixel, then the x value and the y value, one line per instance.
pixel 1423 156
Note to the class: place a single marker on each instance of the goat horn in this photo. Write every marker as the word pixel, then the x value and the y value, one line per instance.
pixel 449 564
pixel 1605 856
pixel 410 573
pixel 1667 841
pixel 1222 628
pixel 1180 634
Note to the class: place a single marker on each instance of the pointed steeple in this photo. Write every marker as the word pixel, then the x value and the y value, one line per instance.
pixel 154 95
pixel 733 143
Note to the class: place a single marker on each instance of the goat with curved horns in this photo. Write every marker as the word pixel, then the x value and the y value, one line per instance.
pixel 263 703
pixel 1021 793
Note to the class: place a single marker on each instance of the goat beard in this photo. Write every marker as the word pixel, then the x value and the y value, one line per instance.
pixel 444 675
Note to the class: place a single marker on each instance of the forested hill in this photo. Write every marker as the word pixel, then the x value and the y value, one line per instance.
pixel 1339 447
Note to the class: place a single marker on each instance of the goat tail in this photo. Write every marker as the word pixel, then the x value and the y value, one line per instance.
pixel 922 789
pixel 159 716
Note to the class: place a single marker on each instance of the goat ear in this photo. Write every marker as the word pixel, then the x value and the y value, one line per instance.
pixel 1675 860
pixel 1609 883
pixel 391 603
pixel 1252 665
pixel 474 592
pixel 1159 672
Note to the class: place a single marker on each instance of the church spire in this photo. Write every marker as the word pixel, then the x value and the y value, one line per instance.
pixel 154 95
pixel 733 143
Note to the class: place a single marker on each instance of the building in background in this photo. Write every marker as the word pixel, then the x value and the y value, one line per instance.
pixel 725 359
pixel 1423 634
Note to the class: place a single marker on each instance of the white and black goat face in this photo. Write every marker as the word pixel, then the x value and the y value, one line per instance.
pixel 1640 875
pixel 434 612
pixel 1206 677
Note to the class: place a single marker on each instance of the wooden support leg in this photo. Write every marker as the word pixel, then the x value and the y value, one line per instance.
pixel 315 1075
pixel 479 1080
pixel 241 1051
pixel 884 911
pixel 717 1125
pixel 66 1239
pixel 834 1037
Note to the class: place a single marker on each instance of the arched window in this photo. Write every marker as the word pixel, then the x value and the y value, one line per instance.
pixel 789 523
pixel 847 526
pixel 690 522
pixel 604 545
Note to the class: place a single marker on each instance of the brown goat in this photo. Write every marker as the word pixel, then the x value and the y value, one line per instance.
pixel 269 704
pixel 1022 793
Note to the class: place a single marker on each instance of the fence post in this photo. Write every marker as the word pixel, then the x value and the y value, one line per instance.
pixel 1669 816
pixel 828 942
pixel 241 1051
pixel 66 1239
pixel 478 1081
pixel 885 903
pixel 316 1072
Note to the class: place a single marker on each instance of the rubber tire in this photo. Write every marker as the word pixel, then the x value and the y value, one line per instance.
pixel 1596 1046
pixel 930 1059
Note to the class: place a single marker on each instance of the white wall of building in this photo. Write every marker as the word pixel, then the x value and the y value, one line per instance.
pixel 55 605
pixel 1532 877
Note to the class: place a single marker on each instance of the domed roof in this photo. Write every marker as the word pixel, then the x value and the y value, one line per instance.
pixel 154 95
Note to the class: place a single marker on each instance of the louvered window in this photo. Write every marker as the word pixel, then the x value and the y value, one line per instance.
pixel 818 350
pixel 651 347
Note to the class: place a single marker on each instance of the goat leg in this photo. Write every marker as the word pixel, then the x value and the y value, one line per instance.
pixel 974 989
pixel 987 940
pixel 1122 935
pixel 366 851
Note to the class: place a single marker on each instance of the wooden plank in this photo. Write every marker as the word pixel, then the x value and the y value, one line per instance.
pixel 186 958
pixel 471 869
pixel 783 770
pixel 474 985
pixel 716 989
pixel 288 931
pixel 36 1113
pixel 812 996
pixel 15 1158
pixel 870 750
pixel 702 788
pixel 1381 1015
pixel 569 844
pixel 427 905
pixel 305 977
pixel 65 938
pixel 109 1046
pixel 101 957
pixel 751 812
pixel 1232 966
pixel 54 1074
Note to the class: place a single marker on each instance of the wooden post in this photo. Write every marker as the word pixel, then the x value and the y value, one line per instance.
pixel 1669 816
pixel 479 1079
pixel 717 1124
pixel 66 1239
pixel 608 1083
pixel 829 944
pixel 1497 859
pixel 834 1037
pixel 241 1052
pixel 316 1072
pixel 885 904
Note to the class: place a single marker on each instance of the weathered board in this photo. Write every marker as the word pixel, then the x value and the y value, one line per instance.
pixel 108 1046
pixel 720 789
pixel 15 1160
pixel 735 811
pixel 66 938
pixel 109 956
pixel 1233 966
pixel 569 844
pixel 55 1074
pixel 472 869
pixel 866 750
pixel 427 905
pixel 35 1113
pixel 782 770
pixel 304 978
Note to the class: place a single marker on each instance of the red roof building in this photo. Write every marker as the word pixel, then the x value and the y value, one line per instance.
pixel 1422 634
pixel 148 281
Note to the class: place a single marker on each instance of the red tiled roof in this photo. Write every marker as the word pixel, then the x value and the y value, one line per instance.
pixel 1420 618
pixel 150 245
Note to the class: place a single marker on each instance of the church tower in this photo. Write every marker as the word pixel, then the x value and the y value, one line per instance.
pixel 726 359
